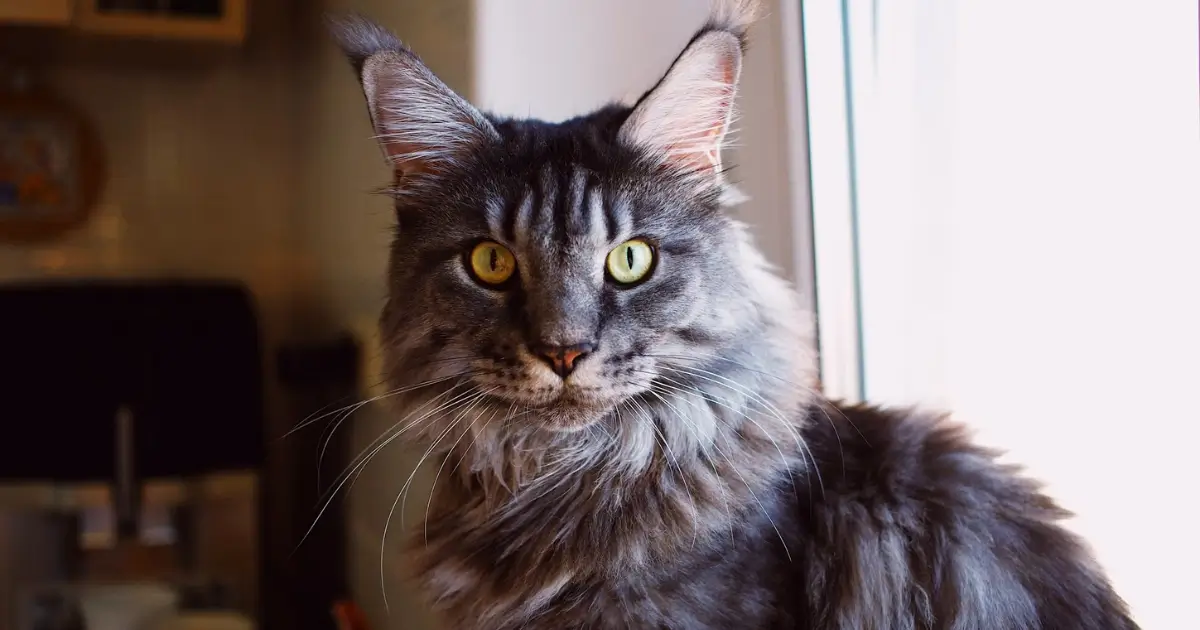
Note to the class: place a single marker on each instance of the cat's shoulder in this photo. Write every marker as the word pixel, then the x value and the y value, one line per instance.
pixel 909 453
pixel 940 528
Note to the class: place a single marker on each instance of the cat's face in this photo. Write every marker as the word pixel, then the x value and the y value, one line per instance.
pixel 554 271
pixel 558 286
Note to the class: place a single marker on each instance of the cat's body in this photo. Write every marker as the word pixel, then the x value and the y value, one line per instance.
pixel 622 394
pixel 907 526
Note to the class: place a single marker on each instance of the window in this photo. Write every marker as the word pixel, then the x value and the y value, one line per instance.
pixel 1006 204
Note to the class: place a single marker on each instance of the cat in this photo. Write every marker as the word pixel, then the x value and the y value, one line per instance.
pixel 621 395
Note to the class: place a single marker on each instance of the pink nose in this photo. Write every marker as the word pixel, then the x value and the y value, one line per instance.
pixel 562 359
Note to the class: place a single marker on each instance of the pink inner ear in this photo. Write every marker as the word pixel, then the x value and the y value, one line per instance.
pixel 404 134
pixel 709 140
pixel 686 117
pixel 422 126
pixel 716 135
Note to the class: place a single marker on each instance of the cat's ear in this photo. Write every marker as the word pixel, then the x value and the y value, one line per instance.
pixel 422 126
pixel 684 119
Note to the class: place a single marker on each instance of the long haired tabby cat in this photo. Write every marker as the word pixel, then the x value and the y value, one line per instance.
pixel 623 394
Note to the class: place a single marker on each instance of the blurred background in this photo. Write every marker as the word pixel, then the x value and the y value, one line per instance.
pixel 991 207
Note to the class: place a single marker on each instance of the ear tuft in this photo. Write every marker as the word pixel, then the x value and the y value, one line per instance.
pixel 733 16
pixel 360 38
pixel 684 120
pixel 422 126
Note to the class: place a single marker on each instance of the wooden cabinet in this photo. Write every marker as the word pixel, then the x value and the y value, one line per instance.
pixel 197 20
pixel 210 20
pixel 36 12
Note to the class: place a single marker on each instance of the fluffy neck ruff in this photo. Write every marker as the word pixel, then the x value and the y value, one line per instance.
pixel 528 518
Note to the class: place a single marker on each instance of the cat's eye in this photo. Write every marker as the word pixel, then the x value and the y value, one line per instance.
pixel 491 263
pixel 630 262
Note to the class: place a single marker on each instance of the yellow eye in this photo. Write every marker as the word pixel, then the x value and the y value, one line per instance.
pixel 492 263
pixel 630 261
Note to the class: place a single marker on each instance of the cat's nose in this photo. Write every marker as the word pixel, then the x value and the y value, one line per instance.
pixel 563 359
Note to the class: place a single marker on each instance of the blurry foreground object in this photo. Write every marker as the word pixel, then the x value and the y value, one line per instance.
pixel 349 616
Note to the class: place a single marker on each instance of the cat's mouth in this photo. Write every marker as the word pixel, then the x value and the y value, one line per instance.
pixel 570 409
pixel 537 399
pixel 568 418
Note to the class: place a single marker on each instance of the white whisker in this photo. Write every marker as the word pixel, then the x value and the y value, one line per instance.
pixel 696 434
pixel 726 404
pixel 401 497
pixel 768 405
pixel 753 493
pixel 360 463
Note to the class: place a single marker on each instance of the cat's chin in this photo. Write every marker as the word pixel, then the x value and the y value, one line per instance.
pixel 565 411
pixel 569 418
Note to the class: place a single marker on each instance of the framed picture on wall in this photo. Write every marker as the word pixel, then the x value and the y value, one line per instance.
pixel 50 168
pixel 205 20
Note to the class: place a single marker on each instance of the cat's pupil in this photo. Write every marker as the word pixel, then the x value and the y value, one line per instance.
pixel 493 258
pixel 629 256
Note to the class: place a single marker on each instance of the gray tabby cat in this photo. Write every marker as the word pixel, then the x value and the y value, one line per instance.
pixel 623 395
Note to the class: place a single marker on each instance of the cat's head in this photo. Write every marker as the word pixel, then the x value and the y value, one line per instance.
pixel 549 274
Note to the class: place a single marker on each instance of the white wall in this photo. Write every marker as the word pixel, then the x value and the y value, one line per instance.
pixel 1029 183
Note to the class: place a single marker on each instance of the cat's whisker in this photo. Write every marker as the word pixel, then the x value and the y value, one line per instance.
pixel 475 438
pixel 652 422
pixel 377 398
pixel 361 462
pixel 838 436
pixel 743 366
pixel 821 408
pixel 713 377
pixel 762 507
pixel 401 497
pixel 345 416
pixel 368 449
pixel 426 362
pixel 718 379
pixel 464 408
pixel 433 486
pixel 314 417
pixel 731 407
pixel 325 411
pixel 688 423
pixel 358 464
pixel 731 361
pixel 733 467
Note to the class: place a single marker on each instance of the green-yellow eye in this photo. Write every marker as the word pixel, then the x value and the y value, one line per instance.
pixel 492 263
pixel 630 261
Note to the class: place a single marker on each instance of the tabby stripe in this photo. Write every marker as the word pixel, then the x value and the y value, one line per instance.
pixel 562 203
pixel 612 222
pixel 578 224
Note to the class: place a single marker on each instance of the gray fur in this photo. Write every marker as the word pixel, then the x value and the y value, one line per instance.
pixel 687 474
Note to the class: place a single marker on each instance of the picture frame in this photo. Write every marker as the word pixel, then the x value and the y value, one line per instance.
pixel 197 20
pixel 51 166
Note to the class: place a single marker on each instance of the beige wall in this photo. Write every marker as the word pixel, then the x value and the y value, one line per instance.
pixel 254 163
pixel 348 229
pixel 202 161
